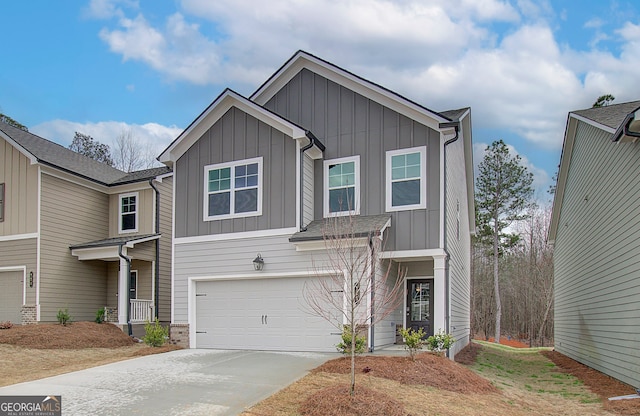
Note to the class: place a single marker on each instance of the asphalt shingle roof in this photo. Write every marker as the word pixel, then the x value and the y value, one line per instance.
pixel 117 241
pixel 362 226
pixel 454 115
pixel 58 156
pixel 611 115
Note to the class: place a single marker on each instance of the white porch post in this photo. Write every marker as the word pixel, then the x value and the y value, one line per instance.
pixel 123 286
pixel 439 293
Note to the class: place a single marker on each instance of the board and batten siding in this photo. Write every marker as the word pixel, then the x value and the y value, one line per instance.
pixel 458 245
pixel 229 258
pixel 71 214
pixel 350 124
pixel 597 257
pixel 307 191
pixel 385 331
pixel 20 180
pixel 166 206
pixel 145 207
pixel 237 136
pixel 21 253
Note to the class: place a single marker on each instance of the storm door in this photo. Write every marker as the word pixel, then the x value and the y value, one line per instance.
pixel 420 305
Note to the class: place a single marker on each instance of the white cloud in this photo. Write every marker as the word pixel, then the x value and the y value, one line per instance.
pixel 155 136
pixel 106 9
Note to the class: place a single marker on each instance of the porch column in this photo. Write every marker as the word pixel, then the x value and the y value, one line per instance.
pixel 439 293
pixel 123 288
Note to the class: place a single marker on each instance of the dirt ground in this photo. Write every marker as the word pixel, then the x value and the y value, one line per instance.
pixel 32 352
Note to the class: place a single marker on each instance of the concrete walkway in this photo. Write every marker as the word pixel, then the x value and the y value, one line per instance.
pixel 185 382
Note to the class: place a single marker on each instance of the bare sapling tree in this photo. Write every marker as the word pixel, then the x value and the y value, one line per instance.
pixel 351 266
pixel 130 153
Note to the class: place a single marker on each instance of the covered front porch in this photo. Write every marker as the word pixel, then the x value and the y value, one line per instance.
pixel 131 276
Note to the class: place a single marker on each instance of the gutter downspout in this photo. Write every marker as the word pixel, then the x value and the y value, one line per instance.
pixel 313 140
pixel 157 265
pixel 128 260
pixel 447 282
pixel 373 292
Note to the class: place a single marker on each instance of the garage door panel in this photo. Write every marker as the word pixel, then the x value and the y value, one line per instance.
pixel 11 296
pixel 267 314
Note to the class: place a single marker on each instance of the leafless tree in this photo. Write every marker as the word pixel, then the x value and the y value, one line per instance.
pixel 130 154
pixel 371 288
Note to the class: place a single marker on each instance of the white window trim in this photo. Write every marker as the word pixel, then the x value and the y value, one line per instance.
pixel 232 165
pixel 423 179
pixel 325 191
pixel 137 283
pixel 136 212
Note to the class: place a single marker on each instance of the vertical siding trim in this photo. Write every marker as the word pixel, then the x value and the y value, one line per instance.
pixel 38 227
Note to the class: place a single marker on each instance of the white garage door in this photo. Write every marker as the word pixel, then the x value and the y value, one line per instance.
pixel 263 314
pixel 11 296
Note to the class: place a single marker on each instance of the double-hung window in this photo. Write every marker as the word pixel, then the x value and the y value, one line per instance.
pixel 406 173
pixel 233 189
pixel 342 186
pixel 128 213
pixel 1 202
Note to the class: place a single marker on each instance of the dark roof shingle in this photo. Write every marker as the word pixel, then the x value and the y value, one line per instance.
pixel 611 115
pixel 356 226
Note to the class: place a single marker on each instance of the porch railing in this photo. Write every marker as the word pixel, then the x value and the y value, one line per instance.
pixel 141 310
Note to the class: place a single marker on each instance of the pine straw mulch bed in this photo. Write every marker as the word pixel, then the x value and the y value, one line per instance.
pixel 599 383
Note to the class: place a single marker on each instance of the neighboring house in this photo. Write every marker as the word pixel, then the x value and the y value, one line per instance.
pixel 595 229
pixel 79 234
pixel 252 178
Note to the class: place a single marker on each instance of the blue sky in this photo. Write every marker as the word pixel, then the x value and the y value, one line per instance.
pixel 150 67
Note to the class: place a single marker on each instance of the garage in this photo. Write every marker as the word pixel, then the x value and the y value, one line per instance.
pixel 11 296
pixel 261 314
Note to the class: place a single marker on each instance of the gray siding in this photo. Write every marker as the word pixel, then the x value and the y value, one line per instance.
pixel 308 191
pixel 166 204
pixel 21 253
pixel 237 136
pixel 458 245
pixel 349 124
pixel 71 214
pixel 597 257
pixel 234 257
pixel 385 330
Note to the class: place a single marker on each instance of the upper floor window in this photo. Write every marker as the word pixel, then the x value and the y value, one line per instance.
pixel 342 186
pixel 233 189
pixel 128 213
pixel 1 202
pixel 406 178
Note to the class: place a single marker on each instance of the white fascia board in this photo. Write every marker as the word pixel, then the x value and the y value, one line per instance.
pixel 365 88
pixel 414 255
pixel 592 123
pixel 96 253
pixel 160 178
pixel 131 244
pixel 14 237
pixel 214 112
pixel 21 149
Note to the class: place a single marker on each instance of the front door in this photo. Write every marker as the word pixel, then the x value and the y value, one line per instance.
pixel 420 305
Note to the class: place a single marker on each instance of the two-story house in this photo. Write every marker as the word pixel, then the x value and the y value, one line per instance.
pixel 256 177
pixel 80 235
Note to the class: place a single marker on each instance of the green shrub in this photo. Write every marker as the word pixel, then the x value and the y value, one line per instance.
pixel 413 340
pixel 63 316
pixel 345 346
pixel 100 316
pixel 155 335
pixel 440 342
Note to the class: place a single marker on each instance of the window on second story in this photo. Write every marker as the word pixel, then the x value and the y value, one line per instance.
pixel 342 186
pixel 233 189
pixel 128 213
pixel 406 173
pixel 1 202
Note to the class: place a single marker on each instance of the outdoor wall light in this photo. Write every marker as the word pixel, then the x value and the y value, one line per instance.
pixel 258 262
pixel 30 279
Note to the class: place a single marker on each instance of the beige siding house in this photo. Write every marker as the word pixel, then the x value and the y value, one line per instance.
pixel 79 234
pixel 595 229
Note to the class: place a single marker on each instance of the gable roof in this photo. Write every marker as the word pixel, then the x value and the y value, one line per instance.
pixel 40 150
pixel 226 100
pixel 610 119
pixel 301 60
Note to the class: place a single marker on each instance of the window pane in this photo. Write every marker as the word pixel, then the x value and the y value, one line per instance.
pixel 225 184
pixel 335 181
pixel 241 170
pixel 335 170
pixel 405 193
pixel 214 186
pixel 398 173
pixel 129 222
pixel 219 204
pixel 413 171
pixel 398 161
pixel 241 182
pixel 252 180
pixel 225 173
pixel 413 159
pixel 348 179
pixel 341 199
pixel 252 169
pixel 246 200
pixel 348 167
pixel 214 174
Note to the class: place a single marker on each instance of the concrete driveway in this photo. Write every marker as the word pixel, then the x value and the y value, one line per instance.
pixel 185 382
